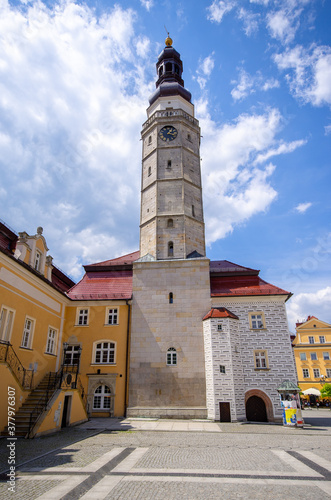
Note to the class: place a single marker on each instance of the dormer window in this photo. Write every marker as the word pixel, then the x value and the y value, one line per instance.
pixel 37 261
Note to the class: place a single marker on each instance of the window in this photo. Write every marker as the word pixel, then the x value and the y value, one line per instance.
pixel 322 339
pixel 27 333
pixel 82 317
pixel 51 341
pixel 105 352
pixel 170 223
pixel 311 340
pixel 71 355
pixel 305 373
pixel 169 164
pixel 303 356
pixel 326 356
pixel 168 67
pixel 193 211
pixel 170 249
pixel 171 298
pixel 112 317
pixel 328 372
pixel 171 356
pixel 316 373
pixel 219 327
pixel 149 171
pixel 101 399
pixel 261 360
pixel 222 369
pixel 313 356
pixel 37 261
pixel 189 137
pixel 6 323
pixel 150 140
pixel 256 320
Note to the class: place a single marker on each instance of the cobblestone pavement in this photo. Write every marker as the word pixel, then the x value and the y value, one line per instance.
pixel 166 460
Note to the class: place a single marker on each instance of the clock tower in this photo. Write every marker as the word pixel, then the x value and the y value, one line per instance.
pixel 171 284
pixel 171 218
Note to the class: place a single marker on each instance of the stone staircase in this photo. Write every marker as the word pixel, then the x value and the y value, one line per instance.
pixel 38 396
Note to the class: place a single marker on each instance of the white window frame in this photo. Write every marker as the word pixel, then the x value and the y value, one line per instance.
pixel 28 330
pixel 257 320
pixel 51 340
pixel 313 355
pixel 107 347
pixel 102 396
pixel 316 372
pixel 82 316
pixel 311 339
pixel 305 373
pixel 112 316
pixel 72 351
pixel 326 356
pixel 37 260
pixel 172 356
pixel 322 339
pixel 261 359
pixel 303 356
pixel 7 317
pixel 328 372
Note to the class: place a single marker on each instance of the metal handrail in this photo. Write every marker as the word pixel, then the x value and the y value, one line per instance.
pixel 9 356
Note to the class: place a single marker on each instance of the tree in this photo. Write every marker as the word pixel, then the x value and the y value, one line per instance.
pixel 326 391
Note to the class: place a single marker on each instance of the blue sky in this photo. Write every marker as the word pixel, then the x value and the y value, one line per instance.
pixel 74 85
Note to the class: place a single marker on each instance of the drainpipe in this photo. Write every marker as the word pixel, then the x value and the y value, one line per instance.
pixel 127 301
pixel 59 349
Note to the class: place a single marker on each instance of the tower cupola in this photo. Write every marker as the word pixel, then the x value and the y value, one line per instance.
pixel 169 69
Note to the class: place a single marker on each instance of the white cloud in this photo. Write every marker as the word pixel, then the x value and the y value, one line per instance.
pixel 219 8
pixel 310 80
pixel 315 303
pixel 283 148
pixel 250 21
pixel 72 100
pixel 303 207
pixel 148 4
pixel 234 188
pixel 248 84
pixel 204 70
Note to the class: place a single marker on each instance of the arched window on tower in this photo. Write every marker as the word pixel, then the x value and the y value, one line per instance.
pixel 149 171
pixel 160 70
pixel 171 298
pixel 171 356
pixel 168 67
pixel 193 211
pixel 170 223
pixel 176 69
pixel 170 249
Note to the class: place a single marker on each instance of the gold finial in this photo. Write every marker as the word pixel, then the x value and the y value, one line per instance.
pixel 168 41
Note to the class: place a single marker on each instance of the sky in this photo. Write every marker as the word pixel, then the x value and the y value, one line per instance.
pixel 74 85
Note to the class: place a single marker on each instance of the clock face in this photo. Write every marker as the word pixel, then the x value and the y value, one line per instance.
pixel 168 133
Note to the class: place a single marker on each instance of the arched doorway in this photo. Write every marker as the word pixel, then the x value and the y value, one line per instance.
pixel 256 410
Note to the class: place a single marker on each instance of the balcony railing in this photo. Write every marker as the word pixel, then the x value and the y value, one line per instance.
pixel 9 356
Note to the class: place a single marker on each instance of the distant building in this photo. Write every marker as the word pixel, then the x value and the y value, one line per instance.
pixel 312 351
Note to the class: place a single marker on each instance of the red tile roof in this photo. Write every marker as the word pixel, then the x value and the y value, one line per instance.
pixel 127 259
pixel 242 285
pixel 104 285
pixel 220 312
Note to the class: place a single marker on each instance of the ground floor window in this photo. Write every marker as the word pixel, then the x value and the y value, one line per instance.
pixel 101 399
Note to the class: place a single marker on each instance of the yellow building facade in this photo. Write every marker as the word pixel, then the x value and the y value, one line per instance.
pixel 312 351
pixel 63 347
